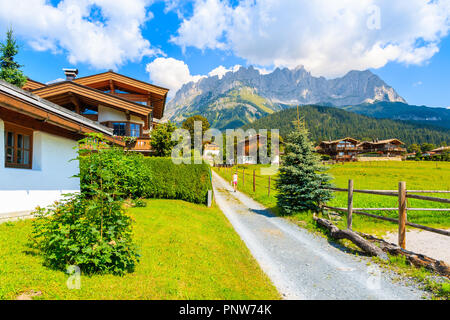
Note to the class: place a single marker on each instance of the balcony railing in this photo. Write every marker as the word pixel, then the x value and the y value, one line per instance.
pixel 142 144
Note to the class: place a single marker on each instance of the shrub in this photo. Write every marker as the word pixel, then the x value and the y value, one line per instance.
pixel 91 229
pixel 75 232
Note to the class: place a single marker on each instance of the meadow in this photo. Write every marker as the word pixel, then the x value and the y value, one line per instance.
pixel 188 251
pixel 424 175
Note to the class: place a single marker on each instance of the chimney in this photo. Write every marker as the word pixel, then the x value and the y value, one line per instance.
pixel 70 74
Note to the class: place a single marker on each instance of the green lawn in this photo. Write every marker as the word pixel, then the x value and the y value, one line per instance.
pixel 188 252
pixel 374 175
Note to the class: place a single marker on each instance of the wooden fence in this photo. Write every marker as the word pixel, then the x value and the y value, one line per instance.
pixel 249 176
pixel 403 194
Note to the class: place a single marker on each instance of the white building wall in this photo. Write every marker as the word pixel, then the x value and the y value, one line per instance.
pixel 110 114
pixel 22 190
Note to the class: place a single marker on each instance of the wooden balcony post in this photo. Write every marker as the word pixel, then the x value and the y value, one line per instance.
pixel 402 214
pixel 350 205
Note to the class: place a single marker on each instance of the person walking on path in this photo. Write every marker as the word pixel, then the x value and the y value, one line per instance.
pixel 235 181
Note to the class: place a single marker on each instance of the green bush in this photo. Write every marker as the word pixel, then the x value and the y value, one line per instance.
pixel 189 182
pixel 74 232
pixel 91 229
pixel 136 176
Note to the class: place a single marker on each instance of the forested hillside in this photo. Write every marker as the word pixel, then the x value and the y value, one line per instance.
pixel 327 123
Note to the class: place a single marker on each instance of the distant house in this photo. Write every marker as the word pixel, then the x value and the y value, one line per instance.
pixel 210 150
pixel 130 107
pixel 383 148
pixel 344 150
pixel 37 142
pixel 441 150
pixel 250 147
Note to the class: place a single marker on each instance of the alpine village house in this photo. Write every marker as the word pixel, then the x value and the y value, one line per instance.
pixel 349 149
pixel 40 125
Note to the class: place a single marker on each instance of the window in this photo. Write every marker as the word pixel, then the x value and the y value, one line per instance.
pixel 18 147
pixel 125 128
pixel 135 130
pixel 120 128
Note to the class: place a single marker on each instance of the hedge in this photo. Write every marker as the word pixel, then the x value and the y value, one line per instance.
pixel 153 177
pixel 189 182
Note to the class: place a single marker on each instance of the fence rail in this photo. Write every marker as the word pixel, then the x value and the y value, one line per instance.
pixel 403 194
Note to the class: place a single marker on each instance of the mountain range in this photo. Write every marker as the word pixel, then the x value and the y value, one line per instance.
pixel 241 97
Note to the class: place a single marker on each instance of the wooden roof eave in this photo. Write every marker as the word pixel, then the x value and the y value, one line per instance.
pixel 121 79
pixel 15 104
pixel 102 98
pixel 32 84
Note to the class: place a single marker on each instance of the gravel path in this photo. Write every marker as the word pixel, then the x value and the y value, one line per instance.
pixel 300 264
pixel 434 245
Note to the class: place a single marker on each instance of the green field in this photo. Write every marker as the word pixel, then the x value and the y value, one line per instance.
pixel 367 175
pixel 188 252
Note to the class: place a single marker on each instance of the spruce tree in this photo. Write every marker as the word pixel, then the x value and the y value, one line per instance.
pixel 10 69
pixel 302 183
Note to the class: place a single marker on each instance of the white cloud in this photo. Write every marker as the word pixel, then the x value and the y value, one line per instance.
pixel 102 33
pixel 327 37
pixel 170 73
pixel 205 30
pixel 220 71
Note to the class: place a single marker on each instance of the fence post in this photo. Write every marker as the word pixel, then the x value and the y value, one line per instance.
pixel 268 188
pixel 350 205
pixel 254 180
pixel 402 214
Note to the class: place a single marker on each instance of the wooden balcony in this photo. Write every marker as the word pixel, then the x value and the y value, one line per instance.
pixel 141 144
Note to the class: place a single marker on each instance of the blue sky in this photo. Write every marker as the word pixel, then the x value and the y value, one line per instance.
pixel 172 42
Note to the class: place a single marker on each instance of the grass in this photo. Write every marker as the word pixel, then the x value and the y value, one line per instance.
pixel 188 252
pixel 368 175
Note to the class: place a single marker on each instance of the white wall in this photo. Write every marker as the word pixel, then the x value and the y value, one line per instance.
pixel 110 114
pixel 21 190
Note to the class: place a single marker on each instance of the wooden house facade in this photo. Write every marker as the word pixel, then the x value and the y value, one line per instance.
pixel 383 148
pixel 344 150
pixel 130 107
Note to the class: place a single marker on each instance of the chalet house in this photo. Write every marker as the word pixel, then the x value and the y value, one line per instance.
pixel 130 107
pixel 384 148
pixel 250 147
pixel 340 150
pixel 37 142
pixel 441 150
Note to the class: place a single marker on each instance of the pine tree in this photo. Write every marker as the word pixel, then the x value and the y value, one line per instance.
pixel 302 182
pixel 10 69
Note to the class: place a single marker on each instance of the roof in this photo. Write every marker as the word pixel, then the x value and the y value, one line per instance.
pixel 55 90
pixel 441 149
pixel 376 142
pixel 33 105
pixel 31 85
pixel 158 94
pixel 339 140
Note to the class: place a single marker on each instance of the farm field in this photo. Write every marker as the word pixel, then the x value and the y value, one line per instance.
pixel 366 175
pixel 188 251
